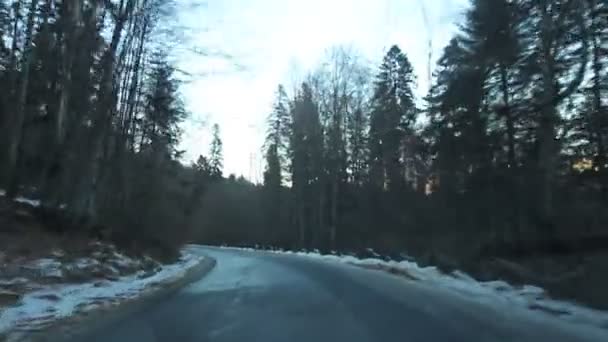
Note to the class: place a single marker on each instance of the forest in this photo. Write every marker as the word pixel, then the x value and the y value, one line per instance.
pixel 500 170
pixel 505 157
pixel 90 112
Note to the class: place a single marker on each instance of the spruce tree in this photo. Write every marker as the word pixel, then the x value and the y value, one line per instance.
pixel 393 112
pixel 216 154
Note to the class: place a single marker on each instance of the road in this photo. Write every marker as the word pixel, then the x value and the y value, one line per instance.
pixel 257 296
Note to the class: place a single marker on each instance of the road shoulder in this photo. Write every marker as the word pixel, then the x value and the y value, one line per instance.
pixel 97 318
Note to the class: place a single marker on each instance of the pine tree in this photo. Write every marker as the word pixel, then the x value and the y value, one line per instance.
pixel 393 113
pixel 17 119
pixel 272 174
pixel 164 110
pixel 277 135
pixel 556 61
pixel 490 36
pixel 597 111
pixel 216 155
pixel 448 122
pixel 306 147
pixel 357 139
pixel 202 166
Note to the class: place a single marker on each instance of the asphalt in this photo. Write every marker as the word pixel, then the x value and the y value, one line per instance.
pixel 258 296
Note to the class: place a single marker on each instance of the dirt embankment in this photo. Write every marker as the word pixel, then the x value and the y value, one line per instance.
pixel 36 252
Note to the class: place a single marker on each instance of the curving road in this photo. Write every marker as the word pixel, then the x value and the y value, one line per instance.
pixel 257 296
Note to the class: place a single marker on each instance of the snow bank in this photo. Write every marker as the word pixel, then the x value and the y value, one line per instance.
pixel 52 302
pixel 497 293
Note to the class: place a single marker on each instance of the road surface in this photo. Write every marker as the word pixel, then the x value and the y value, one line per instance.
pixel 257 296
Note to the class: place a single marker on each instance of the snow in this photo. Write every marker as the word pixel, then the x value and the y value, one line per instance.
pixel 124 261
pixel 32 202
pixel 46 267
pixel 372 252
pixel 85 262
pixel 24 200
pixel 14 281
pixel 498 293
pixel 58 253
pixel 52 302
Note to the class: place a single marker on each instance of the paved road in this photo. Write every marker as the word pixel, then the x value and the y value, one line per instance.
pixel 255 296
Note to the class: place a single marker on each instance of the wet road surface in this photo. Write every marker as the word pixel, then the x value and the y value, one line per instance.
pixel 258 296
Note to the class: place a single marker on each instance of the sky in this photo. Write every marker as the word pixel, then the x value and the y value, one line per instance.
pixel 245 48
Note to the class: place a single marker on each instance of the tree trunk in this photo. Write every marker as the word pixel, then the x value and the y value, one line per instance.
pixel 14 47
pixel 53 167
pixel 320 230
pixel 549 148
pixel 125 132
pixel 134 85
pixel 18 117
pixel 334 215
pixel 84 203
pixel 68 49
pixel 508 117
pixel 598 115
pixel 548 152
pixel 301 225
pixel 598 109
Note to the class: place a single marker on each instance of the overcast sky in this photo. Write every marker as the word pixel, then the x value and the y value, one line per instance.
pixel 253 45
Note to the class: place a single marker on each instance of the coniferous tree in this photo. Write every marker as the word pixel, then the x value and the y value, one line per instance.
pixel 277 136
pixel 164 110
pixel 17 119
pixel 216 154
pixel 393 113
pixel 306 149
pixel 358 147
pixel 556 34
pixel 594 116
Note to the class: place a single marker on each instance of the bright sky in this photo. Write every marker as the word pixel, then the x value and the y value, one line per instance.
pixel 253 45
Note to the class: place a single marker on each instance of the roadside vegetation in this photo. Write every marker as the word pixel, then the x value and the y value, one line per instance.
pixel 92 193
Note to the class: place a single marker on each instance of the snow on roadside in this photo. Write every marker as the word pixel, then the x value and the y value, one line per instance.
pixel 52 302
pixel 46 267
pixel 23 200
pixel 42 291
pixel 498 293
pixel 32 202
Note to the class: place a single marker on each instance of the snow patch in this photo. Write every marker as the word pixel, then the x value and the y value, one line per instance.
pixel 24 200
pixel 85 263
pixel 124 261
pixel 32 202
pixel 57 253
pixel 14 281
pixel 372 252
pixel 52 302
pixel 46 267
